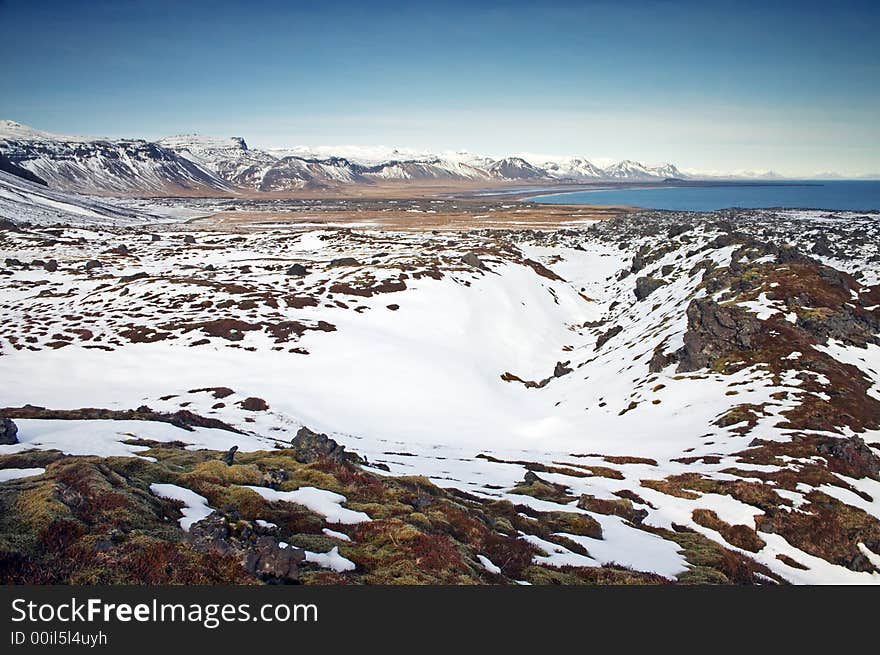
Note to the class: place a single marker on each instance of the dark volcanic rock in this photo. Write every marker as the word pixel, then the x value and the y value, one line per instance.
pixel 309 446
pixel 640 260
pixel 259 553
pixel 660 360
pixel 714 331
pixel 229 456
pixel 297 270
pixel 344 261
pixel 608 334
pixel 851 457
pixel 561 369
pixel 8 432
pixel 254 404
pixel 93 263
pixel 645 286
pixel 471 259
pixel 852 326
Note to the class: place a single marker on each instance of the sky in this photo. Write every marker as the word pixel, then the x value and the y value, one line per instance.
pixel 709 86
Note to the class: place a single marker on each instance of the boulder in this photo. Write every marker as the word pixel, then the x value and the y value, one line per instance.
pixel 608 334
pixel 254 404
pixel 309 446
pixel 229 456
pixel 344 261
pixel 471 259
pixel 297 270
pixel 8 432
pixel 645 286
pixel 851 457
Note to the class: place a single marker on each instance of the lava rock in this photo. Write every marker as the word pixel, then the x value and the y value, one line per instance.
pixel 713 331
pixel 8 432
pixel 471 259
pixel 297 270
pixel 851 457
pixel 229 456
pixel 645 286
pixel 309 446
pixel 344 261
pixel 608 334
pixel 254 404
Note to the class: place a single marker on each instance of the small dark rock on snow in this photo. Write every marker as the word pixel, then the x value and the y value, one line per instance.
pixel 8 432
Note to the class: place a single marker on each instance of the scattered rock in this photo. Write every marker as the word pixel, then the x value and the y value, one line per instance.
pixel 189 239
pixel 297 270
pixel 93 263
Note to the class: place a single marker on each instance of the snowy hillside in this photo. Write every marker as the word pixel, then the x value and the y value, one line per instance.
pixel 126 166
pixel 25 201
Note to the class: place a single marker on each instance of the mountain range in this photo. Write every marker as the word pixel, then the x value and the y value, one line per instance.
pixel 200 164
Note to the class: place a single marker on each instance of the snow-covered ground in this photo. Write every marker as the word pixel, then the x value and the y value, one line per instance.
pixel 408 356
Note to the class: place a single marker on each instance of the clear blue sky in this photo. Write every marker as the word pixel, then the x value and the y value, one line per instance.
pixel 793 87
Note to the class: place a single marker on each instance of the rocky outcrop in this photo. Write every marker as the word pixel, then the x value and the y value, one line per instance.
pixel 260 554
pixel 715 331
pixel 851 457
pixel 309 446
pixel 608 334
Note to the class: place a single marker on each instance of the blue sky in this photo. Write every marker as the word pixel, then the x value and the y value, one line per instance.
pixel 711 86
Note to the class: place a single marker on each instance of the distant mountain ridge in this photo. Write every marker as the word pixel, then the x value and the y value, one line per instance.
pixel 199 164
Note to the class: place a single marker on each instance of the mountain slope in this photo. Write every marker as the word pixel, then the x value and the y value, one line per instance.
pixel 103 166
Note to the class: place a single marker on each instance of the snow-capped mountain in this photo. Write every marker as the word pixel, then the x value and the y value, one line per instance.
pixel 229 158
pixel 573 168
pixel 195 164
pixel 516 168
pixel 103 166
pixel 633 170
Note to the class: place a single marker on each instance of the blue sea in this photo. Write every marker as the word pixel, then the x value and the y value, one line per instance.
pixel 858 195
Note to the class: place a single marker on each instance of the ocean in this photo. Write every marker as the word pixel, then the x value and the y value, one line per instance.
pixel 856 195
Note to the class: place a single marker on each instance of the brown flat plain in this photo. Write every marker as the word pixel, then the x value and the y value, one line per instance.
pixel 416 215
